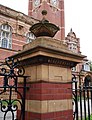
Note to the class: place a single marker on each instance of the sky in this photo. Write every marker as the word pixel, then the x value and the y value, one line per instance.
pixel 77 16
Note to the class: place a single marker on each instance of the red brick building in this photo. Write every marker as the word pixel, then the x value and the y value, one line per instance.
pixel 73 44
pixel 14 25
pixel 14 31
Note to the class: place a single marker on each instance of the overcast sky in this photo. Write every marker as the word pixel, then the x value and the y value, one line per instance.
pixel 77 16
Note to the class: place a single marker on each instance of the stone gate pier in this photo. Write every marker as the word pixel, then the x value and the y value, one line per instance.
pixel 48 62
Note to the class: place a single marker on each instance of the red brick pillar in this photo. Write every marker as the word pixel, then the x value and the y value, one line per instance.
pixel 48 63
pixel 52 101
pixel 50 94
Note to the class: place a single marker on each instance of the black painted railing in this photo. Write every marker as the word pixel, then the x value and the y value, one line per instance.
pixel 11 73
pixel 82 98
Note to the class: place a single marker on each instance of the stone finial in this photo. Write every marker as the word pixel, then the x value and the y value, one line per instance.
pixel 71 30
pixel 44 27
pixel 44 12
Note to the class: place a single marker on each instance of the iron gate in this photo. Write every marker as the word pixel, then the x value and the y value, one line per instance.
pixel 12 100
pixel 82 98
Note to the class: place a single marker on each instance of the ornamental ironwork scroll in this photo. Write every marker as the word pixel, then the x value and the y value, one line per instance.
pixel 11 75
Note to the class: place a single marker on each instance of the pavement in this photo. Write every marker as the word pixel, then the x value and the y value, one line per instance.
pixel 8 115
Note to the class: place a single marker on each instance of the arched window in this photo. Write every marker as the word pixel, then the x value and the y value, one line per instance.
pixel 88 81
pixel 5 36
pixel 30 37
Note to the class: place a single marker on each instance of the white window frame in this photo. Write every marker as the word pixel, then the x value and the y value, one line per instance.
pixel 6 33
pixel 30 37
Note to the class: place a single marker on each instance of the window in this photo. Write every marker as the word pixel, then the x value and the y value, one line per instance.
pixel 36 3
pixel 54 3
pixel 5 36
pixel 74 69
pixel 86 67
pixel 30 37
pixel 4 43
pixel 87 81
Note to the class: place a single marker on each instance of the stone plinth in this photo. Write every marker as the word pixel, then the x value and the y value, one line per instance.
pixel 48 63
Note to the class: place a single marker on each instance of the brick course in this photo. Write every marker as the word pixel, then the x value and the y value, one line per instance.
pixel 49 91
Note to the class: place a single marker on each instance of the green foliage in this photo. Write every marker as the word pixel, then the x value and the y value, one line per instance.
pixel 5 102
pixel 90 118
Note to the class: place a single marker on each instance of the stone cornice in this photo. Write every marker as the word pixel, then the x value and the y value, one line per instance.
pixel 50 46
pixel 17 15
pixel 44 49
pixel 48 60
pixel 51 51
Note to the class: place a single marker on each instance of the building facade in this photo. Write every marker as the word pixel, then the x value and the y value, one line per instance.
pixel 14 31
pixel 82 68
pixel 73 44
pixel 14 25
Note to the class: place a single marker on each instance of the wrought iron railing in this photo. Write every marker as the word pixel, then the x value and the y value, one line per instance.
pixel 11 73
pixel 82 99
